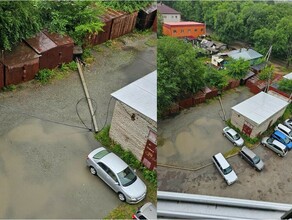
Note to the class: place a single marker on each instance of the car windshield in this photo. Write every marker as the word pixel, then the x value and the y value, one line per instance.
pixel 270 140
pixel 256 160
pixel 227 170
pixel 286 140
pixel 127 177
pixel 236 137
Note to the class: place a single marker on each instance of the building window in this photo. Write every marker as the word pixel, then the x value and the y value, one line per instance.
pixel 171 16
pixel 181 31
pixel 174 31
pixel 202 29
pixel 175 16
pixel 164 16
pixel 195 30
pixel 189 30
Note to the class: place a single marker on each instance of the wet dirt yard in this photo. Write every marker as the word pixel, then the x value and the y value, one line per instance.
pixel 42 164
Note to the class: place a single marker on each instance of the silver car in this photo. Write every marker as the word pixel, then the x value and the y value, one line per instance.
pixel 249 156
pixel 275 146
pixel 117 174
pixel 233 136
pixel 147 211
pixel 288 123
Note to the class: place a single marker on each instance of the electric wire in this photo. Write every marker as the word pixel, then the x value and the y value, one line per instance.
pixel 108 105
pixel 40 118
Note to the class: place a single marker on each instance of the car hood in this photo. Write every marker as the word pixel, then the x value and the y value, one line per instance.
pixel 289 145
pixel 231 177
pixel 239 142
pixel 136 189
pixel 260 165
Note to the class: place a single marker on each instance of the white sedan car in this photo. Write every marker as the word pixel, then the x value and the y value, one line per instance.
pixel 233 136
pixel 117 175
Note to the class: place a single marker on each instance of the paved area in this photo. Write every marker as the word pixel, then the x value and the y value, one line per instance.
pixel 191 138
pixel 42 164
pixel 273 184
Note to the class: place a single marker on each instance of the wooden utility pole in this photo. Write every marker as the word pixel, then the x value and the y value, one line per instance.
pixel 87 96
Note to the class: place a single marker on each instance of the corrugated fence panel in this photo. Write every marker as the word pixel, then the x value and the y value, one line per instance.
pixel 1 75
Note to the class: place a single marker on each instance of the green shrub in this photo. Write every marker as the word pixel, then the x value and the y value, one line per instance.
pixel 64 67
pixel 103 136
pixel 72 65
pixel 44 75
pixel 9 88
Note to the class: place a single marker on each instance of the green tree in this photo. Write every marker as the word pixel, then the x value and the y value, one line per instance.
pixel 18 20
pixel 215 78
pixel 127 6
pixel 76 18
pixel 286 85
pixel 237 69
pixel 267 73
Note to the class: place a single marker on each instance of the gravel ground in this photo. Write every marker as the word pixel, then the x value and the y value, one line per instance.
pixel 273 184
pixel 42 164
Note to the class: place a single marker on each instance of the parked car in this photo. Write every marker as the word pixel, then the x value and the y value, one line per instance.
pixel 116 174
pixel 224 168
pixel 288 123
pixel 285 130
pixel 275 145
pixel 147 211
pixel 254 160
pixel 233 136
pixel 278 135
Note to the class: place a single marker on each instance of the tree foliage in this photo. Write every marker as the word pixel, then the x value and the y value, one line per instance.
pixel 127 5
pixel 285 85
pixel 179 72
pixel 259 23
pixel 18 20
pixel 237 69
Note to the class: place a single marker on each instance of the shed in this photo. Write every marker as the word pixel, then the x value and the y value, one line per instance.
pixel 247 54
pixel 65 45
pixel 45 47
pixel 146 17
pixel 258 67
pixel 20 65
pixel 134 121
pixel 256 114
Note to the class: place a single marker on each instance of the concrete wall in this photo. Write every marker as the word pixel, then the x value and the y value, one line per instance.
pixel 257 129
pixel 132 135
pixel 171 17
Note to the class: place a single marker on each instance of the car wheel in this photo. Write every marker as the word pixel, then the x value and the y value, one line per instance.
pixel 224 134
pixel 279 155
pixel 92 171
pixel 121 197
pixel 234 143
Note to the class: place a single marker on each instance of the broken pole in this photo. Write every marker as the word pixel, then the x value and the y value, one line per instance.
pixel 87 96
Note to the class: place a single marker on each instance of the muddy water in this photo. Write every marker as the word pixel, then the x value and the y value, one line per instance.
pixel 191 138
pixel 43 174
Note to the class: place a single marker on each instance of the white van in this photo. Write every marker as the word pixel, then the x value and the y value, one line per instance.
pixel 285 130
pixel 224 168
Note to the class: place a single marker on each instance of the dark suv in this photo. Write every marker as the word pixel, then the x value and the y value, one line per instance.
pixel 249 156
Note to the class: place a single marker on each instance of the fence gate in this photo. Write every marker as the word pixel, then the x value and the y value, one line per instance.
pixel 149 158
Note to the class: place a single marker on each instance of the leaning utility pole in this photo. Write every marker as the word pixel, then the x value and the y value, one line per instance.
pixel 87 96
pixel 267 57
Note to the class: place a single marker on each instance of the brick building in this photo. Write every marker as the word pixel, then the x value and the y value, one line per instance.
pixel 134 122
pixel 256 114
pixel 184 29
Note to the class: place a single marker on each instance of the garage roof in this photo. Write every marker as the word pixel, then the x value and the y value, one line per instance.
pixel 246 54
pixel 141 95
pixel 260 107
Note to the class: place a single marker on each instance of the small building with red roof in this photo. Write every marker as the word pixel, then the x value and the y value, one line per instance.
pixel 184 29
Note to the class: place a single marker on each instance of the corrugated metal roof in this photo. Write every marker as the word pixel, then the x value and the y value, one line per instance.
pixel 141 95
pixel 246 54
pixel 19 55
pixel 151 8
pixel 288 76
pixel 59 39
pixel 40 43
pixel 260 107
pixel 164 9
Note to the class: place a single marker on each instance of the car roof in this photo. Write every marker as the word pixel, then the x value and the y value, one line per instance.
pixel 231 131
pixel 148 210
pixel 279 144
pixel 248 151
pixel 115 163
pixel 221 159
pixel 280 134
pixel 285 128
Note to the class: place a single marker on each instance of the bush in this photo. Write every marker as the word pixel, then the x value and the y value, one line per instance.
pixel 44 75
pixel 9 88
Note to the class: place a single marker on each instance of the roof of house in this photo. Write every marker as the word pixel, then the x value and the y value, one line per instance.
pixel 288 76
pixel 246 54
pixel 183 23
pixel 260 107
pixel 151 8
pixel 164 9
pixel 141 95
pixel 259 66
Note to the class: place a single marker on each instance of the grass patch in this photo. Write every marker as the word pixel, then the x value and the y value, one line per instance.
pixel 231 152
pixel 151 42
pixel 9 88
pixel 125 211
